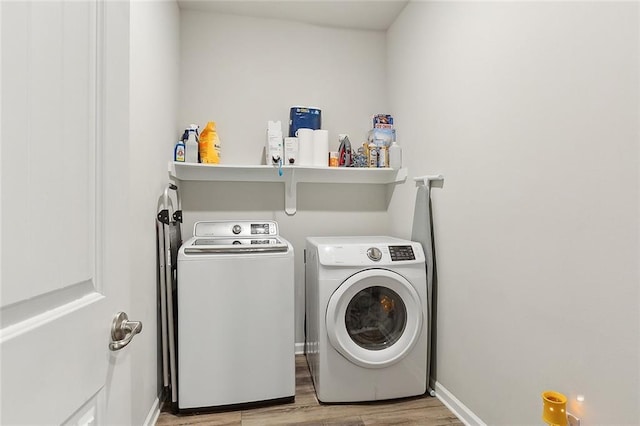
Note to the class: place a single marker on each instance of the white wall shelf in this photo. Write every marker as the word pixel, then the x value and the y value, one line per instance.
pixel 291 176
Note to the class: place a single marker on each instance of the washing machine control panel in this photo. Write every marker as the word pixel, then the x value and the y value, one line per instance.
pixel 228 228
pixel 261 229
pixel 401 253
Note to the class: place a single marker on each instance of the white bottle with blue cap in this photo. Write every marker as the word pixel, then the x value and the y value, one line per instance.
pixel 191 144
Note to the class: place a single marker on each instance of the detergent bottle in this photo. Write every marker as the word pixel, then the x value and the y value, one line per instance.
pixel 178 152
pixel 209 144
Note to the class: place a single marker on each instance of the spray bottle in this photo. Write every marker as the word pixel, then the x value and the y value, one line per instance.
pixel 191 144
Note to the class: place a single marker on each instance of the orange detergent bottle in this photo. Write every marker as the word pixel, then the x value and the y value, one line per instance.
pixel 209 145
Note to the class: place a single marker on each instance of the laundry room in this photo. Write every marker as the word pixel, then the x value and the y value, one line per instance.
pixel 524 117
pixel 503 158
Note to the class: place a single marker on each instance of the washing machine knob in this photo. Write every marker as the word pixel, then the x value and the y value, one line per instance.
pixel 374 254
pixel 236 229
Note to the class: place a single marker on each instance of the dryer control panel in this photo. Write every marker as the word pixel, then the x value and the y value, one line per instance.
pixel 366 251
pixel 401 253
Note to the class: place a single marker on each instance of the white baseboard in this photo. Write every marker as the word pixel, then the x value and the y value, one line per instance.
pixel 153 415
pixel 299 348
pixel 465 415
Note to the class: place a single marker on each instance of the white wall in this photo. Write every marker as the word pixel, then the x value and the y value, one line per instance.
pixel 154 99
pixel 531 111
pixel 242 72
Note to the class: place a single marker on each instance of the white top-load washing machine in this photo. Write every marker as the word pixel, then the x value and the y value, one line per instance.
pixel 367 318
pixel 236 342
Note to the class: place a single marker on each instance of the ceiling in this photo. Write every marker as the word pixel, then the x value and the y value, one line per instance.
pixel 353 14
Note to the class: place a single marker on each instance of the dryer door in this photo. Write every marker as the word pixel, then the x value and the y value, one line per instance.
pixel 374 318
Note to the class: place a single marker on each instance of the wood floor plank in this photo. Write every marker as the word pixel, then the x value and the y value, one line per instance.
pixel 307 411
pixel 214 419
pixel 320 415
pixel 434 416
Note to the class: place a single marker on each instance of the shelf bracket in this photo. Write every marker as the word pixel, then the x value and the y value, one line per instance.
pixel 290 193
pixel 426 180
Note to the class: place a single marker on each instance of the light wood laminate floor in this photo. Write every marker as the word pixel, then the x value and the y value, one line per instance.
pixel 306 410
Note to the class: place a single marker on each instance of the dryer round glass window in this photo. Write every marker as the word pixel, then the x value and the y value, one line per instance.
pixel 374 318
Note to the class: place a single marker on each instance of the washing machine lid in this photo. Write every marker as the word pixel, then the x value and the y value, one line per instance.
pixel 374 318
pixel 201 246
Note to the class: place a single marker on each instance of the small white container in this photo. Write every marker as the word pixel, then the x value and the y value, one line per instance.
pixel 395 156
pixel 372 156
pixel 290 151
pixel 274 151
pixel 383 156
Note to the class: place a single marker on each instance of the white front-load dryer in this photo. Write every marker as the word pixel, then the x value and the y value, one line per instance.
pixel 367 318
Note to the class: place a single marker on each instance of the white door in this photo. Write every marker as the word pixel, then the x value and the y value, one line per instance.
pixel 64 182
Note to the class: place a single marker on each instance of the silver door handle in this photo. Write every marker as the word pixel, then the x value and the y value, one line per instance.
pixel 122 331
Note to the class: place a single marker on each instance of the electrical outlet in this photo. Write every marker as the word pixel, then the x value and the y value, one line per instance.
pixel 572 420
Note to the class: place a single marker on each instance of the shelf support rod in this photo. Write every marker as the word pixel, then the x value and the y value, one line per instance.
pixel 290 193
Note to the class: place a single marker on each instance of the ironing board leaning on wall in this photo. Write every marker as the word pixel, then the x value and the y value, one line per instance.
pixel 169 240
pixel 422 232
